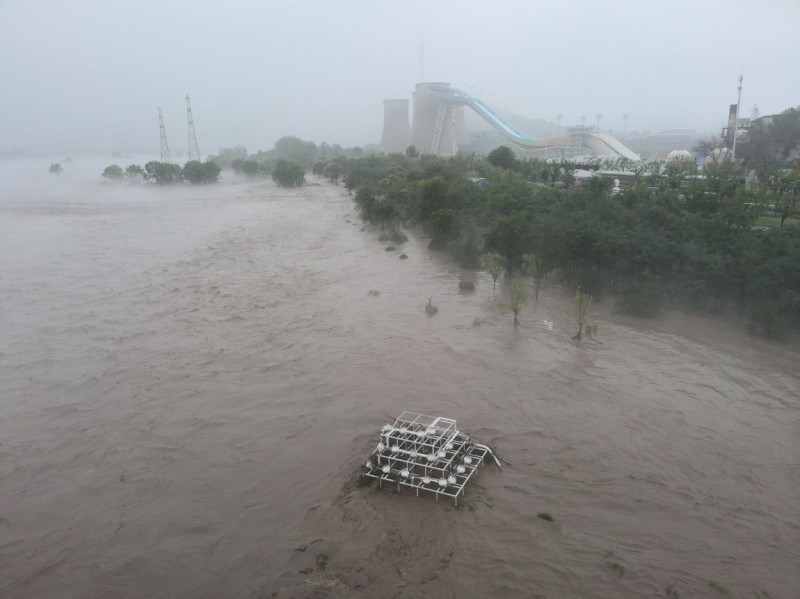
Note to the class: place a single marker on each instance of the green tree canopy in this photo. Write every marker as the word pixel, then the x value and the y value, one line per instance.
pixel 295 149
pixel 162 172
pixel 444 228
pixel 226 156
pixel 251 168
pixel 433 197
pixel 134 171
pixel 510 238
pixel 113 172
pixel 502 157
pixel 493 263
pixel 771 140
pixel 332 170
pixel 288 173
pixel 517 299
pixel 196 172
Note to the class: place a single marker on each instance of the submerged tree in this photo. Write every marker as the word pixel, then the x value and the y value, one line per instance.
pixel 509 237
pixel 288 173
pixel 581 301
pixel 533 265
pixel 444 228
pixel 516 300
pixel 134 171
pixel 493 263
pixel 332 170
pixel 162 173
pixel 113 172
pixel 196 172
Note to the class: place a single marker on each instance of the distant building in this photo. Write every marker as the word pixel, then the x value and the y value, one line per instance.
pixel 741 127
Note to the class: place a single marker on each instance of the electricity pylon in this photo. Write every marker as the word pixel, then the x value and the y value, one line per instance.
pixel 165 158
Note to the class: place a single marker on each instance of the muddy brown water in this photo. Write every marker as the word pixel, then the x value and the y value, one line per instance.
pixel 191 379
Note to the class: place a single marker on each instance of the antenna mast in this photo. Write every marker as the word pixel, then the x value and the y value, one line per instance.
pixel 165 158
pixel 736 121
pixel 194 151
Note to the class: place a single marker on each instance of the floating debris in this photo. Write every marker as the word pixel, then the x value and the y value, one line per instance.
pixel 548 324
pixel 426 453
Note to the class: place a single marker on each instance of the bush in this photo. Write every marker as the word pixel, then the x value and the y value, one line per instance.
pixel 430 308
pixel 466 285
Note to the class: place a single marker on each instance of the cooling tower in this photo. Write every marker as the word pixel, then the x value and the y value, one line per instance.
pixel 427 103
pixel 462 138
pixel 396 135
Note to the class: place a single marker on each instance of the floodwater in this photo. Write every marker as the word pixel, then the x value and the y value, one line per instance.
pixel 192 378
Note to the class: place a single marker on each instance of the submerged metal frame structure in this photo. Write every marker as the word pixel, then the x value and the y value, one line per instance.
pixel 425 453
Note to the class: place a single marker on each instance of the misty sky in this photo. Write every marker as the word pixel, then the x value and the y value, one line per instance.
pixel 91 74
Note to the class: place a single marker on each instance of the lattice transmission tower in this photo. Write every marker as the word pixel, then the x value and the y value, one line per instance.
pixel 194 151
pixel 165 157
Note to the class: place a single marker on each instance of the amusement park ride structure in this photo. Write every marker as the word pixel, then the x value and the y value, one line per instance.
pixel 439 128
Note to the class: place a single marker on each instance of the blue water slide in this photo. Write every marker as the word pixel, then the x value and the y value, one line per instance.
pixel 461 98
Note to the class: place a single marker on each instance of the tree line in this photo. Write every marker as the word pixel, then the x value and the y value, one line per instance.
pixel 715 237
pixel 286 163
pixel 164 173
pixel 671 234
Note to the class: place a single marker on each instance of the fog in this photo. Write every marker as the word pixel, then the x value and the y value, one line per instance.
pixel 192 375
pixel 90 74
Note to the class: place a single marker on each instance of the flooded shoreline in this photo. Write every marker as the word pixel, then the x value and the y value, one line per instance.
pixel 192 379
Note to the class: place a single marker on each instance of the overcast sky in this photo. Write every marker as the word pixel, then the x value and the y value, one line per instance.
pixel 92 73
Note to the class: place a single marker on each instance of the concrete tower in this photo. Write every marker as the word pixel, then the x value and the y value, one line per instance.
pixel 435 119
pixel 426 111
pixel 396 135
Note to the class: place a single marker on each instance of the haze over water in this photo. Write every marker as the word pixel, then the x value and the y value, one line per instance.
pixel 191 378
